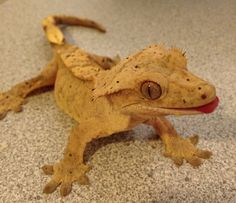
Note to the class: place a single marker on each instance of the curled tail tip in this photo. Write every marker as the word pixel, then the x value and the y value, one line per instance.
pixel 53 33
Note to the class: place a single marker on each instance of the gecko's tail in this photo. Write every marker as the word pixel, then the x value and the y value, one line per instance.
pixel 54 33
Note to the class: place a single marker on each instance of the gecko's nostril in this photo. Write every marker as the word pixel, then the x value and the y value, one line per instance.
pixel 204 96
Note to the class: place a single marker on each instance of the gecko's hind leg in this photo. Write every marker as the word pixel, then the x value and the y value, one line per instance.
pixel 13 99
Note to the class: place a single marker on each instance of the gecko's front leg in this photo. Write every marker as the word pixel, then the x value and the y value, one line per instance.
pixel 72 168
pixel 177 147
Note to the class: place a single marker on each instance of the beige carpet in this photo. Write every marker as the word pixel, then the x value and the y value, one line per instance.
pixel 126 168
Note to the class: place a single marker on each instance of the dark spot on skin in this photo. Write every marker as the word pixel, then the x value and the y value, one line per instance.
pixel 26 83
pixel 109 60
pixel 103 60
pixel 184 101
pixel 70 154
pixel 7 97
pixel 136 66
pixel 154 52
pixel 204 96
pixel 93 89
pixel 117 81
pixel 104 84
pixel 127 57
pixel 188 79
pixel 68 55
pixel 199 88
pixel 70 86
pixel 92 99
pixel 70 172
pixel 168 58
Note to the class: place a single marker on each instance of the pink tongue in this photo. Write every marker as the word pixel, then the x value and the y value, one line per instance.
pixel 208 108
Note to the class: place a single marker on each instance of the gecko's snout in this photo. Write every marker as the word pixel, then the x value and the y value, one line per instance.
pixel 208 92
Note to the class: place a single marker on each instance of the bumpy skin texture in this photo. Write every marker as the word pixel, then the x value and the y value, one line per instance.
pixel 107 95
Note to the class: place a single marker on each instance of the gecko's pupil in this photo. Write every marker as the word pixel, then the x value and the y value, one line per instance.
pixel 151 90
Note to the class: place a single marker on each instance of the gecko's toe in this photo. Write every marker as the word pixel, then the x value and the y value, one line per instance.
pixel 48 169
pixel 178 160
pixel 194 139
pixel 204 154
pixel 3 115
pixel 66 188
pixel 17 108
pixel 51 186
pixel 194 161
pixel 10 102
pixel 83 180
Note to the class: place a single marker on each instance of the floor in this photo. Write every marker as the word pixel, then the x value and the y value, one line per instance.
pixel 126 167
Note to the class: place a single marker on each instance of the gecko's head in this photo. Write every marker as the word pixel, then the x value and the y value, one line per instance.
pixel 156 82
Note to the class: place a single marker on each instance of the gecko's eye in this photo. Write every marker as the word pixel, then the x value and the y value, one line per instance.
pixel 151 90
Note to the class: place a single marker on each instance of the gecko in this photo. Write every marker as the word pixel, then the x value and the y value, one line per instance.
pixel 107 95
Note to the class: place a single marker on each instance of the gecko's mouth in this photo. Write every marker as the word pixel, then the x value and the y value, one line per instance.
pixel 156 111
pixel 207 108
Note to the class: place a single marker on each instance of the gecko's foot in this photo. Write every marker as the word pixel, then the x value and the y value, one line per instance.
pixel 10 102
pixel 179 149
pixel 64 174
